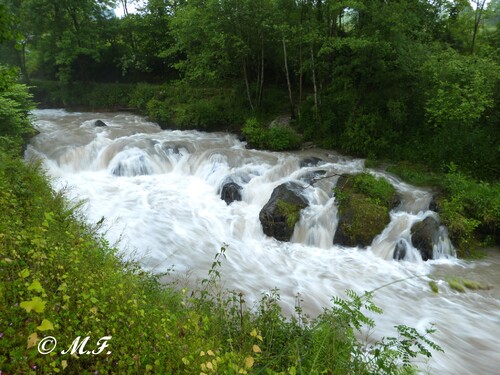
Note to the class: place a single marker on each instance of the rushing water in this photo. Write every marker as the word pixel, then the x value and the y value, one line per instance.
pixel 159 192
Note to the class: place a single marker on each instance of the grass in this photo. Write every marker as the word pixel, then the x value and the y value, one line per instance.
pixel 460 284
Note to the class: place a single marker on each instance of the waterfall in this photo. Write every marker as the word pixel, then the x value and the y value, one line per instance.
pixel 160 194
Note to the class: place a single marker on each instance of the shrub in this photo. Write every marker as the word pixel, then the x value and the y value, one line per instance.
pixel 277 138
pixel 15 104
pixel 470 210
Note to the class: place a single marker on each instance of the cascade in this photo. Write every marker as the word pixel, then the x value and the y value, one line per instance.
pixel 160 193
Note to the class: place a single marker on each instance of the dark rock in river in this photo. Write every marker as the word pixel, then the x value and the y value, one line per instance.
pixel 424 235
pixel 400 250
pixel 310 162
pixel 280 214
pixel 231 192
pixel 434 205
pixel 100 123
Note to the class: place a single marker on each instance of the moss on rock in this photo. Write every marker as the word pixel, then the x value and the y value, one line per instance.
pixel 290 211
pixel 364 205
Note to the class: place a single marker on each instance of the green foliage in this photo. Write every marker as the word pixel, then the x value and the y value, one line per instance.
pixel 15 104
pixel 378 189
pixel 470 209
pixel 290 211
pixel 416 174
pixel 277 138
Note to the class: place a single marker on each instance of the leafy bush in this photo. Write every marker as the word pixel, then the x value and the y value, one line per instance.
pixel 15 104
pixel 470 210
pixel 277 138
pixel 158 111
pixel 143 94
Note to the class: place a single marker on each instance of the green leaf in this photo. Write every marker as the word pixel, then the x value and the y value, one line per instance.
pixel 24 273
pixel 36 286
pixel 35 304
pixel 45 326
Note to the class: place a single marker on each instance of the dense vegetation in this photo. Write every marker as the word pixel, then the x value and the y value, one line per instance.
pixel 414 79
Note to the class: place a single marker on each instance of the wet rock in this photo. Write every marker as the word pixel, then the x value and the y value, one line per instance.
pixel 231 192
pixel 433 205
pixel 280 214
pixel 362 215
pixel 400 250
pixel 310 162
pixel 100 123
pixel 424 235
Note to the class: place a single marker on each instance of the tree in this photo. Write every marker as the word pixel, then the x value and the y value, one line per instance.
pixel 66 35
pixel 478 14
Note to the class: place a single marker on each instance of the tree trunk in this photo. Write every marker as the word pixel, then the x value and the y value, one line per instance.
pixel 477 21
pixel 292 109
pixel 261 88
pixel 249 96
pixel 124 6
pixel 301 76
pixel 24 70
pixel 314 80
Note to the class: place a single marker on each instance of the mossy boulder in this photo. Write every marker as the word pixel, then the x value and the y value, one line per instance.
pixel 364 204
pixel 280 214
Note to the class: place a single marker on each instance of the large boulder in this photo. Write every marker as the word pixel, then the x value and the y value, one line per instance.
pixel 424 235
pixel 364 203
pixel 280 214
pixel 231 192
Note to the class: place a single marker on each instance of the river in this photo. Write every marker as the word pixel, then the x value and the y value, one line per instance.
pixel 159 192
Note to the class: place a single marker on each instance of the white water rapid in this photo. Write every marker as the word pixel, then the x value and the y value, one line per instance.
pixel 159 191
